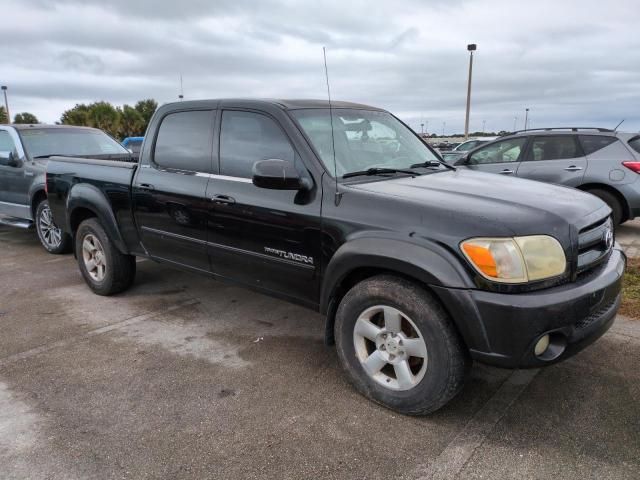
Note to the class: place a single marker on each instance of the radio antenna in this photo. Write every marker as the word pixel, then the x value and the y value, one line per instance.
pixel 333 141
pixel 616 129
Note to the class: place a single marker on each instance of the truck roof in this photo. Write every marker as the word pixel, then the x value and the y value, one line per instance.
pixel 285 104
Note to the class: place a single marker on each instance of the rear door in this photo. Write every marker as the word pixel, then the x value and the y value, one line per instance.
pixel 264 238
pixel 169 192
pixel 500 157
pixel 554 159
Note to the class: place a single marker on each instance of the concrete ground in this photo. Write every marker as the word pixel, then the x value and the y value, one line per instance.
pixel 184 377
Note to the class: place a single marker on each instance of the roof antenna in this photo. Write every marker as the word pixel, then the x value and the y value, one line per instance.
pixel 338 195
pixel 621 122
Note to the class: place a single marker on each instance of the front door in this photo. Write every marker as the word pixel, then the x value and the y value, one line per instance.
pixel 263 238
pixel 498 157
pixel 14 180
pixel 554 159
pixel 169 191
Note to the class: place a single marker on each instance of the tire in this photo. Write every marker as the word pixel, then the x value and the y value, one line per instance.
pixel 435 378
pixel 52 238
pixel 617 212
pixel 106 270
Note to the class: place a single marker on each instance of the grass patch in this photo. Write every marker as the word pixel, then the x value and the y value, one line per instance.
pixel 631 289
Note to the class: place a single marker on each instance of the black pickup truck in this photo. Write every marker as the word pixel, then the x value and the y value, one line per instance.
pixel 418 267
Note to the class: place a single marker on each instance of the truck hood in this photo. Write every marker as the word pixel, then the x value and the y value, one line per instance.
pixel 494 203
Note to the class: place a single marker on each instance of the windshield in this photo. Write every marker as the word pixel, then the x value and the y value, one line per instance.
pixel 363 139
pixel 69 141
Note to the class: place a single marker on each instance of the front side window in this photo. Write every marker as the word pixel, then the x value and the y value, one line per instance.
pixel 362 139
pixel 593 143
pixel 70 141
pixel 246 138
pixel 504 151
pixel 555 147
pixel 184 141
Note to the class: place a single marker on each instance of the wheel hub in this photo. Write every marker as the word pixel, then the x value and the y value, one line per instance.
pixel 391 346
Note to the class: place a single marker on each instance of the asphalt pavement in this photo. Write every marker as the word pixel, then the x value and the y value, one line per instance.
pixel 185 377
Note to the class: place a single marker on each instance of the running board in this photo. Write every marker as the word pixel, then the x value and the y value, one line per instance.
pixel 16 222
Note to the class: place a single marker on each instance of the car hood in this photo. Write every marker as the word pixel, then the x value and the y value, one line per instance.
pixel 492 204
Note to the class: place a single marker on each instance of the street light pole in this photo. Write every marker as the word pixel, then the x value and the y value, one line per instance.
pixel 526 118
pixel 444 124
pixel 6 103
pixel 471 48
pixel 422 128
pixel 515 123
pixel 484 123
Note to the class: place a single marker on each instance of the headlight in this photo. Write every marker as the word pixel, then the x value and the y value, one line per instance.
pixel 517 259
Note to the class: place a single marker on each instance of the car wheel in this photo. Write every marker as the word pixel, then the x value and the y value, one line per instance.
pixel 610 199
pixel 52 238
pixel 398 345
pixel 106 270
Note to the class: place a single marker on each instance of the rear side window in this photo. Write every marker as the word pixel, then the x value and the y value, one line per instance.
pixel 555 147
pixel 184 141
pixel 248 137
pixel 593 143
pixel 635 143
pixel 6 142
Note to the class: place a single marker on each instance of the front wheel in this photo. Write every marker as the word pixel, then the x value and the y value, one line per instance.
pixel 106 270
pixel 52 238
pixel 398 345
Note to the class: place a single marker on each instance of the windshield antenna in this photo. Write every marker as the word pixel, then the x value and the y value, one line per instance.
pixel 338 195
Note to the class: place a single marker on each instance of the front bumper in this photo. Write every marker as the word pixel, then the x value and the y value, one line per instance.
pixel 502 329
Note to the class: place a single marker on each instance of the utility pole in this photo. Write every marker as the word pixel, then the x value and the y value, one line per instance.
pixel 426 126
pixel 181 96
pixel 6 103
pixel 471 48
pixel 444 124
pixel 484 123
pixel 526 118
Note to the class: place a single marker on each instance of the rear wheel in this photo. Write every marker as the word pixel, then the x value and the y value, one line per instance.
pixel 106 270
pixel 617 212
pixel 398 345
pixel 52 238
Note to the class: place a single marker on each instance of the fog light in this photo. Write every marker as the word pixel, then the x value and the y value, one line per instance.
pixel 542 345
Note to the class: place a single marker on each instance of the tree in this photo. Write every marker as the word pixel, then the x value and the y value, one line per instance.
pixel 25 117
pixel 132 123
pixel 77 115
pixel 146 108
pixel 3 115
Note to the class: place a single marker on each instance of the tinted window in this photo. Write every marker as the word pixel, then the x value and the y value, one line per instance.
pixel 246 138
pixel 499 152
pixel 635 144
pixel 184 141
pixel 69 141
pixel 555 148
pixel 593 143
pixel 6 142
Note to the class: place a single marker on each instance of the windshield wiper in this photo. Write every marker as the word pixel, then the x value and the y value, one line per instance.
pixel 51 155
pixel 432 163
pixel 379 171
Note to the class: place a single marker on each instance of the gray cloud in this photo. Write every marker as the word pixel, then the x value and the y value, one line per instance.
pixel 569 62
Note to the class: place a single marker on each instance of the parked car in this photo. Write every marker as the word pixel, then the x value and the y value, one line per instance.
pixel 461 150
pixel 418 266
pixel 134 145
pixel 23 153
pixel 602 162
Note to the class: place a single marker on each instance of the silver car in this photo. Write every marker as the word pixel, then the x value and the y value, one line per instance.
pixel 603 162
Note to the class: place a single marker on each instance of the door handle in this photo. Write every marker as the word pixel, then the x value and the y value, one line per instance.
pixel 223 199
pixel 29 174
pixel 506 171
pixel 573 168
pixel 146 186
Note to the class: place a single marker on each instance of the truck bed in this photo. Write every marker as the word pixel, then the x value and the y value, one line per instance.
pixel 70 181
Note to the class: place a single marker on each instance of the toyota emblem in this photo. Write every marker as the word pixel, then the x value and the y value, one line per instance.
pixel 608 238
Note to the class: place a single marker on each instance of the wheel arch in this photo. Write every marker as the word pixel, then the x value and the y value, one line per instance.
pixel 626 209
pixel 37 196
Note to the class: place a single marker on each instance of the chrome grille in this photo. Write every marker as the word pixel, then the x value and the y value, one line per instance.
pixel 594 244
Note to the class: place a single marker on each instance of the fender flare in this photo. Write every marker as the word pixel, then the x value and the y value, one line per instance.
pixel 427 262
pixel 87 196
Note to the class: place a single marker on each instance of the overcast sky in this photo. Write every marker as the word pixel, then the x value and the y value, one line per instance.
pixel 570 62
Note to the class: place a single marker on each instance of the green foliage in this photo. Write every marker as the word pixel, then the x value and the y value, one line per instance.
pixel 25 117
pixel 3 115
pixel 118 122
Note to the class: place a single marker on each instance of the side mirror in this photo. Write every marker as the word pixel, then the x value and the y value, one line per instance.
pixel 277 174
pixel 465 160
pixel 9 159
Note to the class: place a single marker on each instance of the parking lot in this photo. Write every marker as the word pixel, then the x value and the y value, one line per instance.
pixel 185 377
